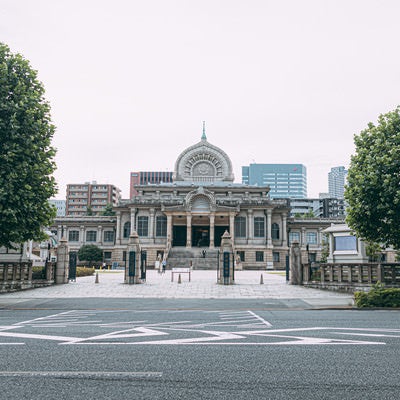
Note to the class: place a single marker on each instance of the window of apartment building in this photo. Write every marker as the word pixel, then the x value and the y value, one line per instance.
pixel 311 237
pixel 275 231
pixel 143 226
pixel 73 236
pixel 276 256
pixel 91 236
pixel 240 227
pixel 241 255
pixel 259 256
pixel 161 226
pixel 127 229
pixel 259 229
pixel 107 255
pixel 294 237
pixel 109 236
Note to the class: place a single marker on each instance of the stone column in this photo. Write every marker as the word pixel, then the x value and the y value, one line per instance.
pixel 295 264
pixel 62 266
pixel 118 232
pixel 226 262
pixel 151 222
pixel 132 269
pixel 212 230
pixel 59 232
pixel 81 235
pixel 250 225
pixel 303 237
pixel 188 230
pixel 169 230
pixel 133 219
pixel 284 231
pixel 269 228
pixel 232 227
pixel 100 235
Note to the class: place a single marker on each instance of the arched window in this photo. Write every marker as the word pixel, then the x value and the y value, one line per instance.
pixel 127 229
pixel 275 231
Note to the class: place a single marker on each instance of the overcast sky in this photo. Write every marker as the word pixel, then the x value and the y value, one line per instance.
pixel 276 81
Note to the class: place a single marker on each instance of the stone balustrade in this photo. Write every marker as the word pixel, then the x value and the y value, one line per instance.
pixel 21 275
pixel 350 277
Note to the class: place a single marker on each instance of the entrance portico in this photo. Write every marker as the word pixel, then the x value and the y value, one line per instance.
pixel 198 229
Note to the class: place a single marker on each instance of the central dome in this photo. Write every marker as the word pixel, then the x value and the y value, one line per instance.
pixel 203 163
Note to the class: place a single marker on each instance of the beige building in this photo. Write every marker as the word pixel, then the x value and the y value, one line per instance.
pixel 81 196
pixel 184 220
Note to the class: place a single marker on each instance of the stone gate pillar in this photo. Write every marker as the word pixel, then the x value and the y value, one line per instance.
pixel 295 264
pixel 226 261
pixel 132 268
pixel 62 266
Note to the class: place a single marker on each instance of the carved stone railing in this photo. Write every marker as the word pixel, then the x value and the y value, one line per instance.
pixel 21 275
pixel 349 276
pixel 15 276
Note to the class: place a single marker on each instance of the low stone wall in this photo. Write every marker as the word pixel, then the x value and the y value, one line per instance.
pixel 350 277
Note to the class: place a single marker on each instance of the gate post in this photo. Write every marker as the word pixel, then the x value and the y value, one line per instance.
pixel 295 264
pixel 225 272
pixel 62 267
pixel 132 269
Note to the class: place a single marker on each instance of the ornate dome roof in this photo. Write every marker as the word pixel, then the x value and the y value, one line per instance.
pixel 203 163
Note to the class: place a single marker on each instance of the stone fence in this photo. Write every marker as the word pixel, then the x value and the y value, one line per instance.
pixel 350 277
pixel 21 275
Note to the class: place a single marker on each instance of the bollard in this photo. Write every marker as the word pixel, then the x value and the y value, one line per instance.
pixel 261 280
pixel 179 278
pixel 97 278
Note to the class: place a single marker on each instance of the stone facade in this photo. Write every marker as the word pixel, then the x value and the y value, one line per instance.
pixel 193 212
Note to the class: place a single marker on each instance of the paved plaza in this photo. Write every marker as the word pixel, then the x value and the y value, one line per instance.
pixel 202 286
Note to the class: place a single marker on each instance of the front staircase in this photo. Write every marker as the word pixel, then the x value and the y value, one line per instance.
pixel 182 257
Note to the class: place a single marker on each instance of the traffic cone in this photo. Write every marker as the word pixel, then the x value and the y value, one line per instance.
pixel 261 280
pixel 179 278
pixel 97 278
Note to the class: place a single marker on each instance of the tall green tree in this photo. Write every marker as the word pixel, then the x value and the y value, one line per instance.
pixel 90 253
pixel 373 185
pixel 26 154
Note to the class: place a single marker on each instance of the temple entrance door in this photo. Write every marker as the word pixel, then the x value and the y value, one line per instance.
pixel 179 235
pixel 219 230
pixel 200 236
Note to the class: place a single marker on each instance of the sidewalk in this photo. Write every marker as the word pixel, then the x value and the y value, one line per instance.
pixel 202 286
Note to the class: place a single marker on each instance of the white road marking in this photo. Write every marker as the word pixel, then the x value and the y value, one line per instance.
pixel 41 337
pixel 84 374
pixel 260 319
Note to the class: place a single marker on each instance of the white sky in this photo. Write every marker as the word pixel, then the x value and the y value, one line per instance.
pixel 277 81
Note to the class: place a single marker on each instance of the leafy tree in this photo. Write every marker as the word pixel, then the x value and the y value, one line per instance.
pixel 373 188
pixel 373 251
pixel 26 154
pixel 108 210
pixel 89 211
pixel 90 253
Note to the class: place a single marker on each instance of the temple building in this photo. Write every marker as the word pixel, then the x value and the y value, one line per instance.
pixel 184 220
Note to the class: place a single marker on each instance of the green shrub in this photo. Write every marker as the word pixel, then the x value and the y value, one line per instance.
pixel 84 271
pixel 378 296
pixel 38 273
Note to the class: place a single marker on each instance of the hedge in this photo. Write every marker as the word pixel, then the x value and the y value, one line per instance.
pixel 378 296
pixel 83 271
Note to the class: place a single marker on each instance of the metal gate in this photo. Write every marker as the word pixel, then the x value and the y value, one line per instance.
pixel 143 264
pixel 72 265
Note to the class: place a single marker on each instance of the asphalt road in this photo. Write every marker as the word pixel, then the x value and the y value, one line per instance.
pixel 197 349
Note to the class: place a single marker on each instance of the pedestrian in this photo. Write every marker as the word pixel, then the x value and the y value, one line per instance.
pixel 164 265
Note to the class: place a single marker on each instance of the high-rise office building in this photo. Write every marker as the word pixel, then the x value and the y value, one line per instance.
pixel 337 180
pixel 284 180
pixel 93 195
pixel 60 205
pixel 148 177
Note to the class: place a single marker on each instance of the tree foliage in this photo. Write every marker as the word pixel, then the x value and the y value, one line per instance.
pixel 26 154
pixel 90 253
pixel 108 210
pixel 373 186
